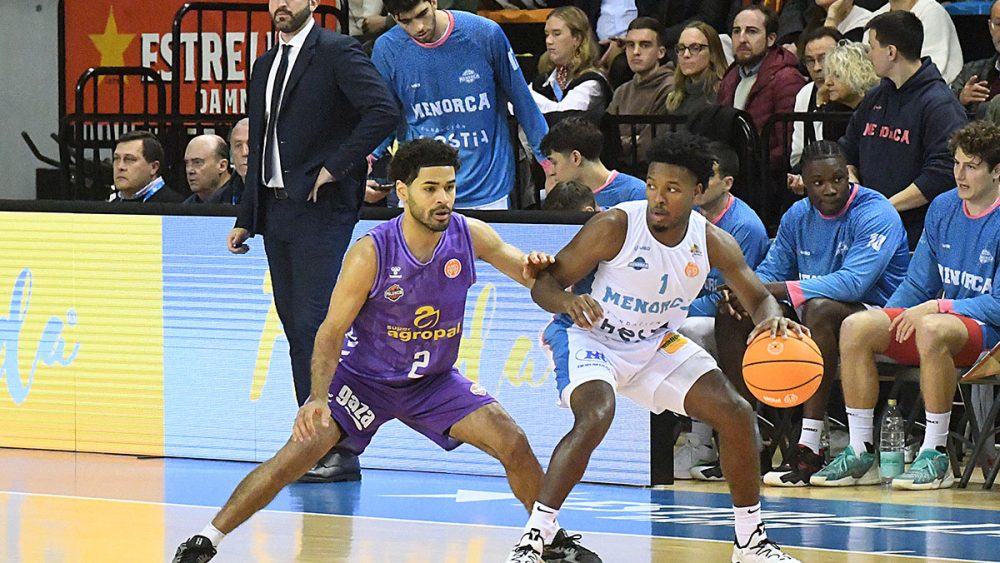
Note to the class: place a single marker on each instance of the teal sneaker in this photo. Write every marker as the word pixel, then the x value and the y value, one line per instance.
pixel 847 470
pixel 930 470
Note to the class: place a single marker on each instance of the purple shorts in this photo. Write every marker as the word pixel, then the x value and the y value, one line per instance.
pixel 430 405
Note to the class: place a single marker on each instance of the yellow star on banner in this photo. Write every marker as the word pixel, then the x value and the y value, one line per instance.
pixel 112 44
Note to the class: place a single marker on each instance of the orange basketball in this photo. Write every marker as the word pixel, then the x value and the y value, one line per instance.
pixel 782 372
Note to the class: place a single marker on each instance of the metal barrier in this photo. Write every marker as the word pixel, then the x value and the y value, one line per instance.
pixel 742 137
pixel 85 143
pixel 88 136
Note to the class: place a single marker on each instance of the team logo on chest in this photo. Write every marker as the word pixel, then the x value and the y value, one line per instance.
pixel 468 77
pixel 695 250
pixel 638 264
pixel 394 292
pixel 394 273
pixel 452 268
pixel 691 270
pixel 985 257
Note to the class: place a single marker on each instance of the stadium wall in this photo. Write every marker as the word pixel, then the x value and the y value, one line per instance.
pixel 143 335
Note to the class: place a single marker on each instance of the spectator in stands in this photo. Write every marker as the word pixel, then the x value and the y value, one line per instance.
pixel 137 165
pixel 570 196
pixel 646 94
pixel 573 147
pixel 453 74
pixel 897 139
pixel 206 162
pixel 732 215
pixel 940 37
pixel 979 81
pixel 817 43
pixel 944 314
pixel 239 154
pixel 701 63
pixel 764 78
pixel 849 75
pixel 839 251
pixel 568 79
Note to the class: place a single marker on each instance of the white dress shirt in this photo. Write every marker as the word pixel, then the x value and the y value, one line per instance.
pixel 277 181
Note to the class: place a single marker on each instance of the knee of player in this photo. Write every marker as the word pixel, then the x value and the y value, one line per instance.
pixel 858 330
pixel 933 332
pixel 823 315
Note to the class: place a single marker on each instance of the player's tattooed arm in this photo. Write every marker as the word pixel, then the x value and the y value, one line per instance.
pixel 515 264
pixel 599 240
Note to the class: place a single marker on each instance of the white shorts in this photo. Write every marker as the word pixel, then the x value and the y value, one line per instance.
pixel 656 374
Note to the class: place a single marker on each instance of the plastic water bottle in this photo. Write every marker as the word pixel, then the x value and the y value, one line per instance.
pixel 892 443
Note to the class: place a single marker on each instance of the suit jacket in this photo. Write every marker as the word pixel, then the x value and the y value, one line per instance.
pixel 334 111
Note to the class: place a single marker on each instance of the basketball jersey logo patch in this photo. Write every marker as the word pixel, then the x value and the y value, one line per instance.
pixel 478 389
pixel 691 270
pixel 672 342
pixel 394 292
pixel 452 268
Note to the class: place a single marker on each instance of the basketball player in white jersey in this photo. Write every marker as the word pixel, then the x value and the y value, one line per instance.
pixel 639 265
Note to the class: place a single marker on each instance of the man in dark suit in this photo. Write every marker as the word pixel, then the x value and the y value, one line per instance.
pixel 317 108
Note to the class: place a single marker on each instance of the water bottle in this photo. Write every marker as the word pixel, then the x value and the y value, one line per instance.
pixel 892 443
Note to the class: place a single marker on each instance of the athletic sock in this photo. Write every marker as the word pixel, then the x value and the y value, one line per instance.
pixel 812 432
pixel 748 520
pixel 936 434
pixel 213 534
pixel 542 519
pixel 861 425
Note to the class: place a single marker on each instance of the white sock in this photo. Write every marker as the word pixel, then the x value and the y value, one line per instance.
pixel 212 534
pixel 861 426
pixel 748 521
pixel 542 519
pixel 937 430
pixel 702 431
pixel 812 432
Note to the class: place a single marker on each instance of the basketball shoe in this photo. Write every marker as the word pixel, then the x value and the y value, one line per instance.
pixel 759 549
pixel 567 549
pixel 197 549
pixel 795 471
pixel 693 454
pixel 931 470
pixel 848 469
pixel 528 549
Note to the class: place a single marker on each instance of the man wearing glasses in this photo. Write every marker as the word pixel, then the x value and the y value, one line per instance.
pixel 978 84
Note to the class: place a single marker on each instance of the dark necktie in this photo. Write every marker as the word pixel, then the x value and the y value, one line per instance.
pixel 272 116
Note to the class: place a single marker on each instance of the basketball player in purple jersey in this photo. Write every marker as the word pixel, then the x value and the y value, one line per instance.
pixel 402 290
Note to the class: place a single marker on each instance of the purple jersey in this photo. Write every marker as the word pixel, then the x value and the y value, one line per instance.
pixel 411 325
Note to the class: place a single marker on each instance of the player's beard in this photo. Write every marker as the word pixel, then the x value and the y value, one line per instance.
pixel 295 23
pixel 427 219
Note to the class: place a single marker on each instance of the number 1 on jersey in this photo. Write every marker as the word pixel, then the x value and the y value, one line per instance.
pixel 663 286
pixel 420 360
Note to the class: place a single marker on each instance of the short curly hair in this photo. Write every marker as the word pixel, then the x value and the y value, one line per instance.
pixel 979 138
pixel 421 153
pixel 685 150
pixel 848 61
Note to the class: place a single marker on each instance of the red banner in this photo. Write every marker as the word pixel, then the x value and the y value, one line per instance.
pixel 214 65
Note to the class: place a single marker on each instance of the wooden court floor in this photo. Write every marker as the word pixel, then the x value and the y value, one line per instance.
pixel 65 507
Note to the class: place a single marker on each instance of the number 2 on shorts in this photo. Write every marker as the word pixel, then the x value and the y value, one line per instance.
pixel 420 360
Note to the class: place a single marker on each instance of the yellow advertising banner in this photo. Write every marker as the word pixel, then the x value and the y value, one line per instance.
pixel 81 332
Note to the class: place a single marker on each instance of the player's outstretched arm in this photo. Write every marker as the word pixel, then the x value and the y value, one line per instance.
pixel 599 240
pixel 724 253
pixel 353 286
pixel 509 259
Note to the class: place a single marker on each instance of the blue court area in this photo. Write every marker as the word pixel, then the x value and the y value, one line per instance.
pixel 879 525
